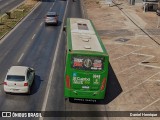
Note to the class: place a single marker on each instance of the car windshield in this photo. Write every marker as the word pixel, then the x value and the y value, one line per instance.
pixel 15 78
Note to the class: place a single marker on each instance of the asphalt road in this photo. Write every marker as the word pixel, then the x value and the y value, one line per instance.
pixel 6 5
pixel 31 44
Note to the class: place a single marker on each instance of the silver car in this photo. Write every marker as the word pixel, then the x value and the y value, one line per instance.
pixel 51 18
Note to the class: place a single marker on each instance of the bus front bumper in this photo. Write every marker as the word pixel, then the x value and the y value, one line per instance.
pixel 84 94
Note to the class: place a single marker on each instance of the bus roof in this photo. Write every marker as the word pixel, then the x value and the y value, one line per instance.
pixel 83 36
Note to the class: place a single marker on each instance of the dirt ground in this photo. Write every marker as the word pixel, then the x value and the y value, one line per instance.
pixel 132 40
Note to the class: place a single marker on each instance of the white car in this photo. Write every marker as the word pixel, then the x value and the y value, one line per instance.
pixel 19 79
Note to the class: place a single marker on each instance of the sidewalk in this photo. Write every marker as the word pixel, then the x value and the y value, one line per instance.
pixel 132 40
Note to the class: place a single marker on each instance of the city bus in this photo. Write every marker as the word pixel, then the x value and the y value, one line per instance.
pixel 86 69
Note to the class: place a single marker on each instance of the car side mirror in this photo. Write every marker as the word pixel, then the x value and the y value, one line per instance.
pixel 31 70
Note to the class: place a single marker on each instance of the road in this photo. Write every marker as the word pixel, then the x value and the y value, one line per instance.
pixel 6 5
pixel 43 48
pixel 32 44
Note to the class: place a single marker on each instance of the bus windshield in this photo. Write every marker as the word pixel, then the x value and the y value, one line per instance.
pixel 87 63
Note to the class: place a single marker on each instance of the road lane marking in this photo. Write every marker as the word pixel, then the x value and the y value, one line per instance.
pixel 4 5
pixel 52 5
pixel 141 63
pixel 53 65
pixel 134 45
pixel 152 66
pixel 6 53
pixel 140 83
pixel 33 36
pixel 20 57
pixel 149 104
pixel 127 69
pixel 146 60
pixel 127 54
pixel 41 23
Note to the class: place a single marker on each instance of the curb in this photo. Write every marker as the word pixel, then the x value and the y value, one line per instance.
pixel 19 22
pixel 83 9
pixel 18 5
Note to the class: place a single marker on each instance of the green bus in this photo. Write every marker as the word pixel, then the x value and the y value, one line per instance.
pixel 87 60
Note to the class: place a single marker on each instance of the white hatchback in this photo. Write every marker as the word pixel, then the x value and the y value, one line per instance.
pixel 19 79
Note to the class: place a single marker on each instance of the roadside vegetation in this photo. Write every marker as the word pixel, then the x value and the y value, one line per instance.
pixel 11 18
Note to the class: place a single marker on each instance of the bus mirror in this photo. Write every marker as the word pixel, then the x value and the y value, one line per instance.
pixel 64 28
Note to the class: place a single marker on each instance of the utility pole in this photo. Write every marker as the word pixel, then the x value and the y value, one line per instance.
pixel 158 14
pixel 0 17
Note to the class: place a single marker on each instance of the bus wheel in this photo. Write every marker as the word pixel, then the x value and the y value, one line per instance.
pixel 71 100
pixel 66 99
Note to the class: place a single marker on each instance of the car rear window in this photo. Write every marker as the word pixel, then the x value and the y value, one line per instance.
pixel 15 78
pixel 51 15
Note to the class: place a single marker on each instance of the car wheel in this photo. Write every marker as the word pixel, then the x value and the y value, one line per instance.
pixel 71 100
pixel 34 78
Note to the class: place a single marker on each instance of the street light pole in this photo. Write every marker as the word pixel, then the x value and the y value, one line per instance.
pixel 158 14
pixel 0 17
pixel 131 2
